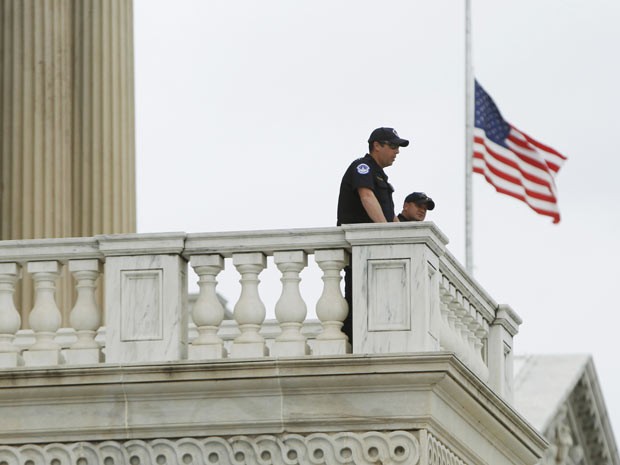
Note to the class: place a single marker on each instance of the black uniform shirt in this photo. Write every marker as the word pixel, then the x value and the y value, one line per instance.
pixel 363 172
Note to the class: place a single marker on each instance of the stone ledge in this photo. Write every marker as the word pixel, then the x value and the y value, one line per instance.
pixel 299 395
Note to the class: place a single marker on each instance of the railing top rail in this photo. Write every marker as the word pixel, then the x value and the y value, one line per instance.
pixel 412 232
pixel 266 241
pixel 62 249
pixel 141 243
pixel 468 286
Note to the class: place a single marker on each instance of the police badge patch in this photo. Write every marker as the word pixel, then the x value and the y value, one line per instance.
pixel 363 168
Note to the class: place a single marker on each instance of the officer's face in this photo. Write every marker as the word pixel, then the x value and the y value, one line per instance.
pixel 385 154
pixel 414 212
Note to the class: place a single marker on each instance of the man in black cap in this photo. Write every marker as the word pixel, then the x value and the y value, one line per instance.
pixel 415 206
pixel 366 195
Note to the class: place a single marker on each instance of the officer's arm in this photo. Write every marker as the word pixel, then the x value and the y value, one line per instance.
pixel 371 205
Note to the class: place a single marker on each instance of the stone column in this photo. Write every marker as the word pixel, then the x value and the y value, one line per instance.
pixel 67 118
pixel 36 110
pixel 103 171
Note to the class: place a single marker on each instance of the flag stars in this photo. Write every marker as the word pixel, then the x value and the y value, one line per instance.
pixel 488 117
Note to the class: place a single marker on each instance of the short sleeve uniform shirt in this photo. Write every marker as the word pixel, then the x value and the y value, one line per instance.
pixel 363 172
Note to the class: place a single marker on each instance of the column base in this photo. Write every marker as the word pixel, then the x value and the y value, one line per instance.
pixel 82 356
pixel 332 347
pixel 289 348
pixel 248 350
pixel 10 360
pixel 42 358
pixel 206 352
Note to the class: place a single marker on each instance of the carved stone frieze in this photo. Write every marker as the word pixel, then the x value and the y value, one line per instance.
pixel 586 404
pixel 397 447
pixel 440 454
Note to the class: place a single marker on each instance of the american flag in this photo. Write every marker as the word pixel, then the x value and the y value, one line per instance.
pixel 512 162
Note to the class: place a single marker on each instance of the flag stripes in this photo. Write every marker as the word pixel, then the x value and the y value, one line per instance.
pixel 512 162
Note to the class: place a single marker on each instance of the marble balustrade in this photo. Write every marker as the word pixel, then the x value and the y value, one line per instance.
pixel 410 295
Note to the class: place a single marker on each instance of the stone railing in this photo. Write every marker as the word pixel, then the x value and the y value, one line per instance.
pixel 409 295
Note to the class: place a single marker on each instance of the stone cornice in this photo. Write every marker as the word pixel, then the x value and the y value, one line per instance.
pixel 302 395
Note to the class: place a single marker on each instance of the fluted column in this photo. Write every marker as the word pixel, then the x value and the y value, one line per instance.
pixel 103 118
pixel 67 156
pixel 36 119
pixel 35 159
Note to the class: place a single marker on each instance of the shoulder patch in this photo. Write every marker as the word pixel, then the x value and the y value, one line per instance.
pixel 363 168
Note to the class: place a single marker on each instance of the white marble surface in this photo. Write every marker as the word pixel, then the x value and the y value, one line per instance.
pixel 141 244
pixel 425 393
pixel 42 358
pixel 396 292
pixel 394 299
pixel 389 294
pixel 30 250
pixel 146 311
pixel 229 242
pixel 82 356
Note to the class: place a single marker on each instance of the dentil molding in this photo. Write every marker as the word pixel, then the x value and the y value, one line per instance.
pixel 393 448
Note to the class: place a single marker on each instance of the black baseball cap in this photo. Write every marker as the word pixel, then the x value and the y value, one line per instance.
pixel 420 198
pixel 387 135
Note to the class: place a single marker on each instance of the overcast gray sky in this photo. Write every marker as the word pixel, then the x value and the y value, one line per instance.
pixel 248 113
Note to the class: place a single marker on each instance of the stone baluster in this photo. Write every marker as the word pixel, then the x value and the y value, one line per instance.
pixel 471 326
pixel 208 312
pixel 85 316
pixel 457 310
pixel 45 316
pixel 481 334
pixel 290 309
pixel 469 323
pixel 10 321
pixel 249 311
pixel 447 335
pixel 452 303
pixel 331 308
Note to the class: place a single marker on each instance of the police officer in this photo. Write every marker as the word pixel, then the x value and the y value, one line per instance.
pixel 366 195
pixel 415 206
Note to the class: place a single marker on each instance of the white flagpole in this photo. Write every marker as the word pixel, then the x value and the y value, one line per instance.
pixel 469 138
